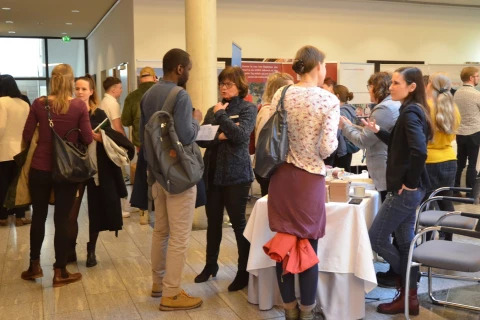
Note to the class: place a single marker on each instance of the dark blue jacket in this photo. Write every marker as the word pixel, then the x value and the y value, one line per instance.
pixel 232 163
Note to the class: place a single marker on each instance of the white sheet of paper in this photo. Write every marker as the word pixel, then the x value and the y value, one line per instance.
pixel 207 132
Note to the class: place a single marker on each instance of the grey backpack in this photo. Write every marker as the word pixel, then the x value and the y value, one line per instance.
pixel 175 166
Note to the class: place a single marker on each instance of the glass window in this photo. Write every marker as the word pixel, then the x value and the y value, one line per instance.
pixel 72 53
pixel 32 88
pixel 22 57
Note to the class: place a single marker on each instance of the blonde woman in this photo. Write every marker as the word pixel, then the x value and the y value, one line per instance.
pixel 274 82
pixel 441 158
pixel 67 113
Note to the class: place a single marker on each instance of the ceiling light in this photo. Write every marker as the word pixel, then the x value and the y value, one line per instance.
pixel 5 8
pixel 75 11
pixel 64 33
pixel 11 31
pixel 8 21
pixel 39 23
pixel 68 23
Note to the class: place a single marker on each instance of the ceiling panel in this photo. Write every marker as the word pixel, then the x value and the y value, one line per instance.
pixel 49 18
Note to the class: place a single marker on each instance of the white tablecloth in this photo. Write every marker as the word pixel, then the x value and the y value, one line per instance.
pixel 346 259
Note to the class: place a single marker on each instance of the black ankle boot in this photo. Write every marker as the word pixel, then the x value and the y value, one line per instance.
pixel 240 281
pixel 209 270
pixel 91 258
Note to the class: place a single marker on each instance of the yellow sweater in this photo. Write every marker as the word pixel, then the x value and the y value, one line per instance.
pixel 440 148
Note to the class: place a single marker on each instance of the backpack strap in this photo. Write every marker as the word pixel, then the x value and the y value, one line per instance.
pixel 169 103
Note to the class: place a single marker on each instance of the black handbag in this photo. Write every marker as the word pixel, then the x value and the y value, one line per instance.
pixel 71 162
pixel 272 145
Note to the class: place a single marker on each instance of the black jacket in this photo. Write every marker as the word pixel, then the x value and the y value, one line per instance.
pixel 104 207
pixel 407 149
pixel 228 161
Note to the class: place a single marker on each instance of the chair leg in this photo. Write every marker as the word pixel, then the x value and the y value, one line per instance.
pixel 443 302
pixel 445 276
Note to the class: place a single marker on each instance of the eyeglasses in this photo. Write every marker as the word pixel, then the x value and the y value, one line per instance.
pixel 227 85
pixel 369 86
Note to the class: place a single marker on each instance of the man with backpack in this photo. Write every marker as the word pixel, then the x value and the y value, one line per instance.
pixel 173 210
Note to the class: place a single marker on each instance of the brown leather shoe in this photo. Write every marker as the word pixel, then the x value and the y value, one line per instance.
pixel 22 221
pixel 398 303
pixel 62 277
pixel 34 271
pixel 3 222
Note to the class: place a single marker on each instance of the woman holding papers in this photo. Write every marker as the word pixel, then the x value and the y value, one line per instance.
pixel 228 171
pixel 105 189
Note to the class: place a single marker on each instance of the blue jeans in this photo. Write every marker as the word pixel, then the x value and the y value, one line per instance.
pixel 397 214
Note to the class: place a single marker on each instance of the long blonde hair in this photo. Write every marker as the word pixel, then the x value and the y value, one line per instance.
pixel 61 88
pixel 274 82
pixel 93 101
pixel 444 115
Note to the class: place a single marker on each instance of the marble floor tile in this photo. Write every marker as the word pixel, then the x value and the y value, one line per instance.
pixel 133 267
pixel 147 252
pixel 149 311
pixel 237 301
pixel 20 292
pixel 107 236
pixel 12 269
pixel 113 305
pixel 140 289
pixel 76 315
pixel 218 314
pixel 27 311
pixel 103 261
pixel 122 249
pixel 101 281
pixel 211 300
pixel 69 298
pixel 223 279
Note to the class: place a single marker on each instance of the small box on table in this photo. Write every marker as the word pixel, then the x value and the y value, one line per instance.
pixel 338 190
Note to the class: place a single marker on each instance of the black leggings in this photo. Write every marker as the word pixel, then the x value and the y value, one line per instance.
pixel 40 186
pixel 234 199
pixel 73 223
pixel 308 282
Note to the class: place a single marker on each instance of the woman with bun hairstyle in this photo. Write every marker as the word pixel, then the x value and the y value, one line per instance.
pixel 105 190
pixel 67 113
pixel 296 197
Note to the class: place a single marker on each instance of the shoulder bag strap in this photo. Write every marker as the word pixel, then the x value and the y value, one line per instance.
pixel 169 103
pixel 49 115
pixel 280 106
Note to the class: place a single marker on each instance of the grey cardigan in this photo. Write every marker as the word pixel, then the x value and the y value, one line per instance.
pixel 386 114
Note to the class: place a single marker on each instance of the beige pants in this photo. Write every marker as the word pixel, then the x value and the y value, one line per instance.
pixel 173 225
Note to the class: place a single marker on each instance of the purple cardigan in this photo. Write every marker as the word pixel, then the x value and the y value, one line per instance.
pixel 76 117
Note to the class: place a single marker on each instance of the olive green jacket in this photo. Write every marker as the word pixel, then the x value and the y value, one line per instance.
pixel 131 110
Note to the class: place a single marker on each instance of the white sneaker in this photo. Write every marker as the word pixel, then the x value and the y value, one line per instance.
pixel 144 217
pixel 125 214
pixel 126 206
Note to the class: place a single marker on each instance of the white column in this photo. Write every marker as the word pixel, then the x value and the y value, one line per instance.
pixel 201 38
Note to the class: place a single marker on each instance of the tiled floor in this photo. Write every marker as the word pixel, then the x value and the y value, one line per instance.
pixel 119 286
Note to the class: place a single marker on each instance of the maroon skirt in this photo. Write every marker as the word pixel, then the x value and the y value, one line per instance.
pixel 296 202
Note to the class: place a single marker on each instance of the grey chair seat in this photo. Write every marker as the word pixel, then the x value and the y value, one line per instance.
pixel 430 217
pixel 448 255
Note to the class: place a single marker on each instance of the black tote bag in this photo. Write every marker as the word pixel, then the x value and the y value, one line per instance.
pixel 272 145
pixel 71 161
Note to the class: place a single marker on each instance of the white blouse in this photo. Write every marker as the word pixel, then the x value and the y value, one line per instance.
pixel 313 116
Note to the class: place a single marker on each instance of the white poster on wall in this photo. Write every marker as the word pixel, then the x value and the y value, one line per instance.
pixel 355 77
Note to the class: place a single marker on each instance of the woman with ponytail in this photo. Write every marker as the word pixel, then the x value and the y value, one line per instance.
pixel 441 158
pixel 67 113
